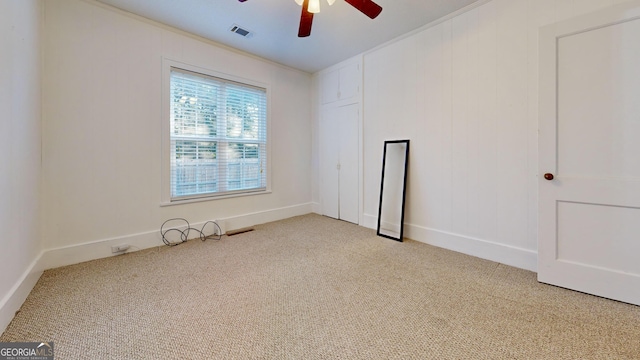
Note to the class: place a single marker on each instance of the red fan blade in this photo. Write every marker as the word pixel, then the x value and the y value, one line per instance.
pixel 306 19
pixel 367 7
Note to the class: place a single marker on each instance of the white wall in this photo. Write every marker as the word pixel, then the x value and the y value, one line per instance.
pixel 102 131
pixel 464 91
pixel 20 128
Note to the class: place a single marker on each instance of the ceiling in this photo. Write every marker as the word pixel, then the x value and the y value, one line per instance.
pixel 339 31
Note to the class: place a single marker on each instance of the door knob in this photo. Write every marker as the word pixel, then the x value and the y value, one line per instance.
pixel 548 176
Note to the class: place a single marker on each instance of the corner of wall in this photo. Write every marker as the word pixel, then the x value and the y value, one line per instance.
pixel 12 302
pixel 21 34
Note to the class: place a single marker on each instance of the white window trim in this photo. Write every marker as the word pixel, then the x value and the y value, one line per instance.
pixel 165 198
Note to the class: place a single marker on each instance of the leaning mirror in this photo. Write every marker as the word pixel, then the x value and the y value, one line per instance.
pixel 393 189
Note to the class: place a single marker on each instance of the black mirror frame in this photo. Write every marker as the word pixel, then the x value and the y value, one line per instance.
pixel 404 188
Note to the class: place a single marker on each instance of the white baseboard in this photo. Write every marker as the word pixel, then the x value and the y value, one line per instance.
pixel 74 254
pixel 262 217
pixel 504 254
pixel 370 221
pixel 18 294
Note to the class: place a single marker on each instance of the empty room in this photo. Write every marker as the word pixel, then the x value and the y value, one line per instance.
pixel 320 179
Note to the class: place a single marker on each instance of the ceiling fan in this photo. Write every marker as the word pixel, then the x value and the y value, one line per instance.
pixel 310 7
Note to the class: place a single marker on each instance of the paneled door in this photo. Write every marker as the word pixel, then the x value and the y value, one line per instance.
pixel 339 166
pixel 589 154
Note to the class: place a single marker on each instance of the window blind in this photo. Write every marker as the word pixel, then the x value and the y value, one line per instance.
pixel 218 135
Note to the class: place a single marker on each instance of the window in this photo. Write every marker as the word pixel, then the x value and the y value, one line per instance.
pixel 217 136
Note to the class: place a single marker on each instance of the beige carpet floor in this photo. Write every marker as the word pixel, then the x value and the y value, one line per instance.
pixel 316 288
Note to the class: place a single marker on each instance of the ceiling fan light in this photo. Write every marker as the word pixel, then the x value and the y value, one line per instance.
pixel 299 2
pixel 331 2
pixel 314 6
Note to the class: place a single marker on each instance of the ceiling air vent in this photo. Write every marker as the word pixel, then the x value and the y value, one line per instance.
pixel 240 31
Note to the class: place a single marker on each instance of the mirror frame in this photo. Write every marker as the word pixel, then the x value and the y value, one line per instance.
pixel 404 188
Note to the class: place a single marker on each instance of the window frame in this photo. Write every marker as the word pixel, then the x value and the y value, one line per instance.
pixel 166 197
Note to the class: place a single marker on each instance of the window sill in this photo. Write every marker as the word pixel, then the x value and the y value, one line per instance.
pixel 212 198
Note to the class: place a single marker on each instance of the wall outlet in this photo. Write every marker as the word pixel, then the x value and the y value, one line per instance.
pixel 221 225
pixel 119 248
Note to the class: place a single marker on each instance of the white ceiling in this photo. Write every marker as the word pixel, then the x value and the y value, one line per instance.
pixel 339 31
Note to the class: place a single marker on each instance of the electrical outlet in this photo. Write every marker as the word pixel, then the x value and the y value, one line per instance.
pixel 119 248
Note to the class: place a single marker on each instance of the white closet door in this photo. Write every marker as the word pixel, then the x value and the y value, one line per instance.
pixel 329 163
pixel 339 165
pixel 349 81
pixel 349 194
